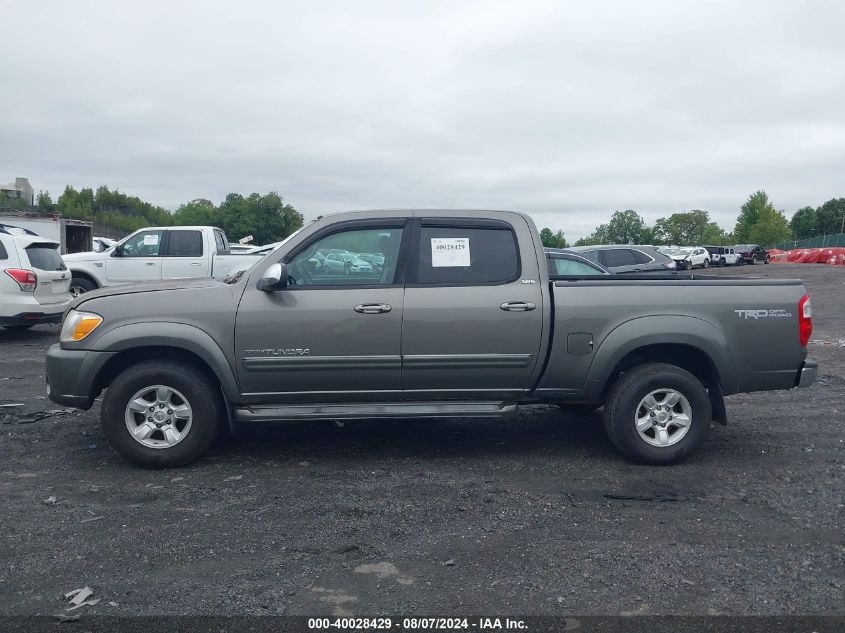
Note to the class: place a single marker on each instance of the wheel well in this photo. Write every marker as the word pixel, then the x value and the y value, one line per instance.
pixel 695 361
pixel 129 357
pixel 81 275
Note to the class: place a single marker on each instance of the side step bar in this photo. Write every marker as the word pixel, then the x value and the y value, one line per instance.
pixel 368 410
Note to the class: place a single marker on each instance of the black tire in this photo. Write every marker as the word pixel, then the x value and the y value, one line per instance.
pixel 753 260
pixel 200 392
pixel 722 262
pixel 18 328
pixel 706 264
pixel 622 404
pixel 82 285
pixel 768 259
pixel 579 407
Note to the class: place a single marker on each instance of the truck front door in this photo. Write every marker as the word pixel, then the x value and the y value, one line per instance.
pixel 473 309
pixel 136 259
pixel 333 334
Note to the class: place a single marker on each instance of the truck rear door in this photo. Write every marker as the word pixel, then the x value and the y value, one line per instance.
pixel 185 255
pixel 473 309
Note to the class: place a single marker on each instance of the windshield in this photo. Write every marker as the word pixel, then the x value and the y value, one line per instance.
pixel 682 251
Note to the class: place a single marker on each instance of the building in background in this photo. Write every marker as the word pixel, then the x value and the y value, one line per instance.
pixel 20 189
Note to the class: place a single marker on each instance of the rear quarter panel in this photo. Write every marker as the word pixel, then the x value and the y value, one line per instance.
pixel 747 327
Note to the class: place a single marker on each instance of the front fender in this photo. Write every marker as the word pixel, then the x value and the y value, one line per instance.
pixel 177 335
pixel 97 273
pixel 661 330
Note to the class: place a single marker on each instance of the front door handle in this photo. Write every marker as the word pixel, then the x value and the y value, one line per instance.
pixel 149 263
pixel 196 263
pixel 518 306
pixel 372 308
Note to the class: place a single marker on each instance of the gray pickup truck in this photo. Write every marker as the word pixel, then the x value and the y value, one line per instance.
pixel 463 315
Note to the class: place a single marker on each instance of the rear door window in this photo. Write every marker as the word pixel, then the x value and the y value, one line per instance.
pixel 44 257
pixel 184 244
pixel 3 253
pixel 466 255
pixel 641 257
pixel 220 241
pixel 619 257
pixel 565 266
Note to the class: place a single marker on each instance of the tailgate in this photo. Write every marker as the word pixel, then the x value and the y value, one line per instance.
pixel 53 277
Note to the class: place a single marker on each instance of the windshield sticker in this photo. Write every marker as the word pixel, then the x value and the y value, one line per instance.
pixel 151 239
pixel 449 252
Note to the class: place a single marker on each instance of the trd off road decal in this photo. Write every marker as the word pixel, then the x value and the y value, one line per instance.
pixel 287 351
pixel 763 314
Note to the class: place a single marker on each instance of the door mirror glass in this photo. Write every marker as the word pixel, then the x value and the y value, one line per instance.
pixel 275 278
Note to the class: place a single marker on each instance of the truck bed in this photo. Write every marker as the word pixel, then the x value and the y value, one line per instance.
pixel 597 320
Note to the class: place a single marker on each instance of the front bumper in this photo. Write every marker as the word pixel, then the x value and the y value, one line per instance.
pixel 807 374
pixel 72 375
pixel 31 318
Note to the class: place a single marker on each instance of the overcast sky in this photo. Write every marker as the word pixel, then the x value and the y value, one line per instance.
pixel 567 110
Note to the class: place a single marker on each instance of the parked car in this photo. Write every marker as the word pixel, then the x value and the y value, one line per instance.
pixel 566 264
pixel 626 258
pixel 752 253
pixel 157 253
pixel 464 321
pixel 723 256
pixel 102 244
pixel 376 260
pixel 34 282
pixel 689 257
pixel 346 262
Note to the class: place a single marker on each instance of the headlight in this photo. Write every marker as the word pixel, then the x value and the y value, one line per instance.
pixel 78 325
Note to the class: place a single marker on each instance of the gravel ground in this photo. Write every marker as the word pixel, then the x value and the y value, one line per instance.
pixel 537 515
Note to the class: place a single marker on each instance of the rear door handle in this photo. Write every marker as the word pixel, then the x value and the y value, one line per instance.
pixel 149 263
pixel 372 308
pixel 196 264
pixel 518 306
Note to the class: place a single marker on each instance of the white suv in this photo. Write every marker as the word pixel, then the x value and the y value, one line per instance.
pixel 34 282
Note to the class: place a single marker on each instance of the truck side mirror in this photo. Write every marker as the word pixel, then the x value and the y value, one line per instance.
pixel 118 251
pixel 274 278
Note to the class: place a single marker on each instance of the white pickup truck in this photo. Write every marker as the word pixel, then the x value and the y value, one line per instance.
pixel 157 253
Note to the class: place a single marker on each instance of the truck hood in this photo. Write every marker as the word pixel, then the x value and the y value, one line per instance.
pixel 86 257
pixel 151 286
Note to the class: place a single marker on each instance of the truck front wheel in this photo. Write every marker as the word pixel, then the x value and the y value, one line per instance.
pixel 81 285
pixel 162 414
pixel 657 414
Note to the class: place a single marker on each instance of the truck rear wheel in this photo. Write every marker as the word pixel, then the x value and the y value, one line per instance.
pixel 657 414
pixel 162 414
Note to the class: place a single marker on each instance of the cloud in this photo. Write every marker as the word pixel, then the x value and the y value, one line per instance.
pixel 565 110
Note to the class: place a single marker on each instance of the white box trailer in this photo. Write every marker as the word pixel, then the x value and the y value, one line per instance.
pixel 75 236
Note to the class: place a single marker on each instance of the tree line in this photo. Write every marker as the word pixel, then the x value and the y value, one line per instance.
pixel 758 222
pixel 266 217
pixel 269 219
